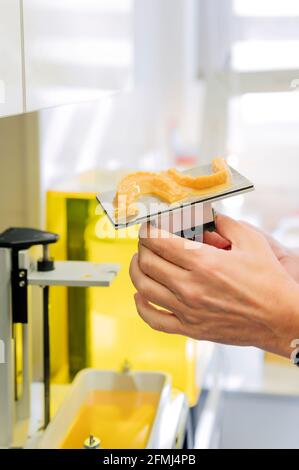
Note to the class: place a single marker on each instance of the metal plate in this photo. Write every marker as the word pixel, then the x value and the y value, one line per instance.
pixel 76 274
pixel 151 207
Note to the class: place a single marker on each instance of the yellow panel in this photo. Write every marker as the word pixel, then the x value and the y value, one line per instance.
pixel 18 337
pixel 117 332
pixel 56 222
pixel 269 357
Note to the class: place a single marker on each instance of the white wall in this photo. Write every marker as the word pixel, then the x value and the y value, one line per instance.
pixel 11 76
pixel 75 49
pixel 131 129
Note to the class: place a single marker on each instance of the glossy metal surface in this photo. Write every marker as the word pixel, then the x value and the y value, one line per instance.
pixel 151 207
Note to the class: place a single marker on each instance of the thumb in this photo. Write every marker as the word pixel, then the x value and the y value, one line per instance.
pixel 238 234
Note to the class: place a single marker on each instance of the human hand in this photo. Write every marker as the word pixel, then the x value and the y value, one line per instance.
pixel 288 258
pixel 241 296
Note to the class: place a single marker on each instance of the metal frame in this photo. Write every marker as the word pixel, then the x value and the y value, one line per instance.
pixel 15 414
pixel 11 411
pixel 7 411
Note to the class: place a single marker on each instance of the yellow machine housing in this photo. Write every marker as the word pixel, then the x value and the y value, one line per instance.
pixel 96 327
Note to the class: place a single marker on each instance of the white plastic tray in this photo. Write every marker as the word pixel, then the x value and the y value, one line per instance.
pixel 91 379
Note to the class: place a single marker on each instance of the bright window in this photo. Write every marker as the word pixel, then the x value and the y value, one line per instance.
pixel 265 55
pixel 263 126
pixel 266 7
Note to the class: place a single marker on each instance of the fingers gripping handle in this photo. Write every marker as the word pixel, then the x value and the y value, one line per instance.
pixel 187 222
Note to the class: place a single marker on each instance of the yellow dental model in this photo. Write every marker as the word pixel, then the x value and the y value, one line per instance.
pixel 171 186
pixel 219 176
pixel 144 183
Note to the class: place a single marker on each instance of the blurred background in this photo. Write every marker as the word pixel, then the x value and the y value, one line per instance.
pixel 197 78
pixel 92 88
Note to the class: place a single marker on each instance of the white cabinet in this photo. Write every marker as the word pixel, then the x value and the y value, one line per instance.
pixel 75 50
pixel 249 420
pixel 54 52
pixel 11 79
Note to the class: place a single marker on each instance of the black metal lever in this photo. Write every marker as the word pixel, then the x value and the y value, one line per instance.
pixel 17 239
